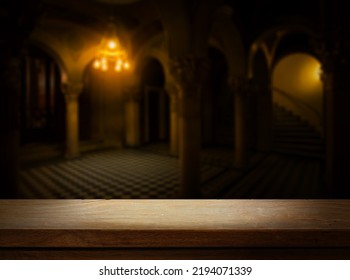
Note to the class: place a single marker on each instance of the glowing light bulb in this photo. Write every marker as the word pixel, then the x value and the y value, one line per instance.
pixel 104 67
pixel 97 64
pixel 103 60
pixel 111 55
pixel 112 44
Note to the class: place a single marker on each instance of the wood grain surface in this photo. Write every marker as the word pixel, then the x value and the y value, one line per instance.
pixel 174 223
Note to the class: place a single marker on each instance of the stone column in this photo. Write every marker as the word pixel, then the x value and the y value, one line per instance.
pixel 189 73
pixel 335 75
pixel 264 114
pixel 71 93
pixel 174 119
pixel 18 21
pixel 162 133
pixel 132 111
pixel 240 88
pixel 10 78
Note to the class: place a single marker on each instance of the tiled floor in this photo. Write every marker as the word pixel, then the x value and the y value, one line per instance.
pixel 152 173
pixel 108 174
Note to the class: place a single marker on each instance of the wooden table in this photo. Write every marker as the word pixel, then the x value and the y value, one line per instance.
pixel 174 229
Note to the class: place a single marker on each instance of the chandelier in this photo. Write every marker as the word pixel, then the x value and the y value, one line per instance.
pixel 111 54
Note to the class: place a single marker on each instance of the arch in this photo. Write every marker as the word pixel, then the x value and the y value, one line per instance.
pixel 297 87
pixel 155 111
pixel 42 104
pixel 226 37
pixel 42 44
pixel 153 49
pixel 74 46
pixel 153 74
pixel 270 40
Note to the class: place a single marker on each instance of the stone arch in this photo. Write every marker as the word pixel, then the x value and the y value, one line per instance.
pixel 42 103
pixel 226 36
pixel 260 62
pixel 49 49
pixel 153 49
pixel 297 86
pixel 269 41
pixel 154 102
pixel 75 46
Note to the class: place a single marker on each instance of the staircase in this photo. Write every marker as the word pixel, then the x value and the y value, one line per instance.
pixel 292 135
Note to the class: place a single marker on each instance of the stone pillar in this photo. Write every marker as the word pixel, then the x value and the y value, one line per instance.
pixel 71 93
pixel 264 115
pixel 146 119
pixel 10 78
pixel 335 76
pixel 240 88
pixel 18 20
pixel 189 73
pixel 174 120
pixel 132 111
pixel 162 133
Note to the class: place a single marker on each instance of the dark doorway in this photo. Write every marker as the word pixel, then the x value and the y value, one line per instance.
pixel 154 105
pixel 42 108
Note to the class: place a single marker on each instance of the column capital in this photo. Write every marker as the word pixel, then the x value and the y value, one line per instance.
pixel 328 58
pixel 72 90
pixel 335 55
pixel 172 90
pixel 189 73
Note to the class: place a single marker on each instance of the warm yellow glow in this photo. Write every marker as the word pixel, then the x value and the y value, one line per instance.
pixel 104 67
pixel 318 72
pixel 299 86
pixel 97 64
pixel 310 74
pixel 112 44
pixel 111 55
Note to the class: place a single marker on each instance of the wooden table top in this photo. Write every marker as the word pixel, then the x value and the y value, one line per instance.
pixel 174 223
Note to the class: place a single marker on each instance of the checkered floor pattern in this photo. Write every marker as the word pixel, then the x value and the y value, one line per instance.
pixel 151 172
pixel 109 174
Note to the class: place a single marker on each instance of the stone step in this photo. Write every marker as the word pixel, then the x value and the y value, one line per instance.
pixel 305 140
pixel 292 135
pixel 301 147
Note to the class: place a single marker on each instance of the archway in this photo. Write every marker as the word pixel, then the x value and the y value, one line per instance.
pixel 154 104
pixel 42 105
pixel 298 104
pixel 102 108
